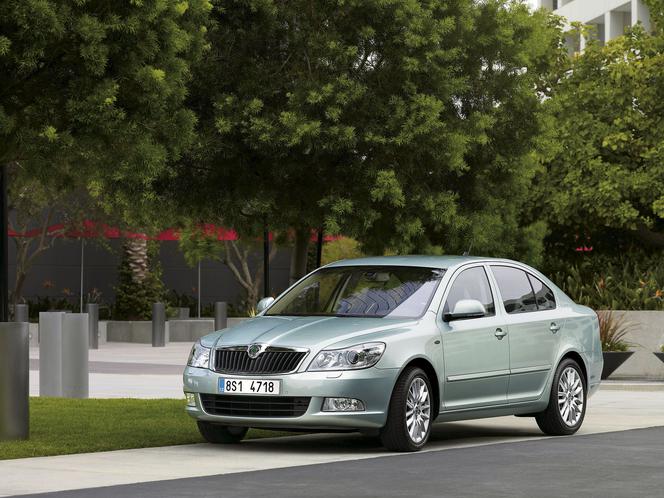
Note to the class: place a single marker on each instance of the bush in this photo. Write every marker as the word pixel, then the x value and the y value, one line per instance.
pixel 632 281
pixel 612 331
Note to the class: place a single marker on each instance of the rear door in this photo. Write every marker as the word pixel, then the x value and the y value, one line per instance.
pixel 475 351
pixel 533 324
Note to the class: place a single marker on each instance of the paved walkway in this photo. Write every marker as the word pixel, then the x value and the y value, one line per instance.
pixel 128 370
pixel 609 410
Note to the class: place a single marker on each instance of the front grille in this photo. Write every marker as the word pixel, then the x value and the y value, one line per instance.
pixel 254 406
pixel 272 361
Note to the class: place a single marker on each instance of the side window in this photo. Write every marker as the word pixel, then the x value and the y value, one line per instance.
pixel 471 284
pixel 543 295
pixel 518 296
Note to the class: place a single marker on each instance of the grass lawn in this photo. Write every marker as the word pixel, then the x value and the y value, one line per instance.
pixel 60 426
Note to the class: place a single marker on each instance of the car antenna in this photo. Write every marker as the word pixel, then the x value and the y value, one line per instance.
pixel 467 253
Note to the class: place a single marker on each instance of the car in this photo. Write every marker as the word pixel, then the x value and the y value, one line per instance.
pixel 391 345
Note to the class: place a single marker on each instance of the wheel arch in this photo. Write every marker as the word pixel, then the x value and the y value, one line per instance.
pixel 578 358
pixel 427 366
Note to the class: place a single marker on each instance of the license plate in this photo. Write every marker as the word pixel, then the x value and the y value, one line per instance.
pixel 228 385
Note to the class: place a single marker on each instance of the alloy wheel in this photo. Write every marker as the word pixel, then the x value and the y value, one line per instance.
pixel 418 410
pixel 570 396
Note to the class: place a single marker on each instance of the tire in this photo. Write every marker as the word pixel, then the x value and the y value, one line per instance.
pixel 395 435
pixel 221 434
pixel 568 388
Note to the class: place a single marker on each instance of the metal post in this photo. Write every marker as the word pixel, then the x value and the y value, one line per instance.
pixel 4 247
pixel 266 261
pixel 93 324
pixel 319 248
pixel 158 325
pixel 75 365
pixel 50 353
pixel 14 381
pixel 220 315
pixel 82 262
pixel 199 289
pixel 21 313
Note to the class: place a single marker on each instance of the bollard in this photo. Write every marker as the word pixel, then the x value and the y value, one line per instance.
pixel 21 313
pixel 14 381
pixel 158 325
pixel 50 353
pixel 63 354
pixel 75 345
pixel 220 315
pixel 183 313
pixel 93 324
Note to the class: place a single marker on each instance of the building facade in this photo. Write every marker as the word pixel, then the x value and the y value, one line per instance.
pixel 608 18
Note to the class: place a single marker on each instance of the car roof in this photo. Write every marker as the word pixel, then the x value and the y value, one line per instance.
pixel 442 262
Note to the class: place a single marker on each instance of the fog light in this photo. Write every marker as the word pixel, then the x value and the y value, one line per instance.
pixel 191 399
pixel 342 405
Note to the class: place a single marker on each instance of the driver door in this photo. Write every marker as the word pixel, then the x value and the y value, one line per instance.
pixel 475 350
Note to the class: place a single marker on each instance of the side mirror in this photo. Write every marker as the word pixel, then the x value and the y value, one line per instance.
pixel 264 304
pixel 465 309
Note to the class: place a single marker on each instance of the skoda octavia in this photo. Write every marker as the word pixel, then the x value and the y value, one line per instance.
pixel 392 345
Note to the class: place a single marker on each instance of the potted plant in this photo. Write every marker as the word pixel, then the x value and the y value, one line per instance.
pixel 612 332
pixel 660 355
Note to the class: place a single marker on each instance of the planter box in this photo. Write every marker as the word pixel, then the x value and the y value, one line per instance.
pixel 128 331
pixel 646 334
pixel 192 329
pixel 613 360
pixel 189 330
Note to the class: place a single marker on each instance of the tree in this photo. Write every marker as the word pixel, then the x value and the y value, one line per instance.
pixel 91 105
pixel 139 282
pixel 409 125
pixel 606 174
pixel 197 244
pixel 91 93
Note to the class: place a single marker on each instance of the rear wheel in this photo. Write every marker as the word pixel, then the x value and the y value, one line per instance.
pixel 409 416
pixel 567 402
pixel 221 434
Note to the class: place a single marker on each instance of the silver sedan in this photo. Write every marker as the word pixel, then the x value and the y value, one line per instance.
pixel 391 345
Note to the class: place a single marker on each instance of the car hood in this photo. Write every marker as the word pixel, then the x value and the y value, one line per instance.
pixel 311 332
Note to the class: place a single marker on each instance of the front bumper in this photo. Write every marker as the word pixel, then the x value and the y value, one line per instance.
pixel 372 385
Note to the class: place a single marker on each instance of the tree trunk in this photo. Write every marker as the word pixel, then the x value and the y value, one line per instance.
pixel 298 267
pixel 237 260
pixel 137 258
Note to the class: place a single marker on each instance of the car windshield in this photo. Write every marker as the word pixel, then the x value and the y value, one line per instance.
pixel 361 291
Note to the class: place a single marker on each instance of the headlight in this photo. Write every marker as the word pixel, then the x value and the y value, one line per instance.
pixel 199 356
pixel 353 358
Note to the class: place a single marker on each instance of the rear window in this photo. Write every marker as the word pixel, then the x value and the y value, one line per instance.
pixel 515 289
pixel 543 295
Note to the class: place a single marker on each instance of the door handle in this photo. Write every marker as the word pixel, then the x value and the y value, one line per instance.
pixel 554 328
pixel 500 333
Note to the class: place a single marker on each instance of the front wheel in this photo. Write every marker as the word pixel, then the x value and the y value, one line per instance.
pixel 221 434
pixel 567 402
pixel 409 415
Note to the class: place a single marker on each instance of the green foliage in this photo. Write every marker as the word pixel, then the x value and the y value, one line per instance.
pixel 197 245
pixel 133 297
pixel 341 248
pixel 407 125
pixel 606 162
pixel 631 282
pixel 91 94
pixel 612 331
